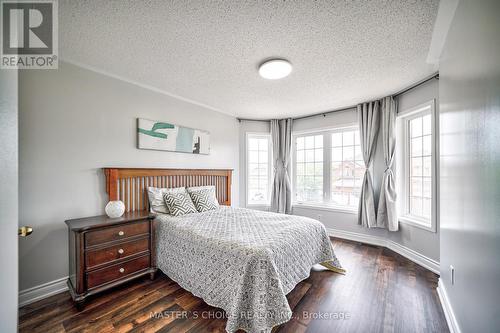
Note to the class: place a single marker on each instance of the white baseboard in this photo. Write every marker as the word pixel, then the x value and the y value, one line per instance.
pixel 447 309
pixel 406 252
pixel 42 291
pixel 414 256
pixel 356 236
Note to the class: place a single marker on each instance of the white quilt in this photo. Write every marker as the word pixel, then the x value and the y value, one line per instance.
pixel 243 261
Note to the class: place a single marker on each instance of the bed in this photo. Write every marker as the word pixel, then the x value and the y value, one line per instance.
pixel 243 261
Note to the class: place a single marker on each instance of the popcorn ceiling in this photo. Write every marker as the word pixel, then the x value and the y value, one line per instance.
pixel 342 52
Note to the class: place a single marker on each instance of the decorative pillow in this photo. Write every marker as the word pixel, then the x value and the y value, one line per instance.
pixel 203 197
pixel 156 201
pixel 179 203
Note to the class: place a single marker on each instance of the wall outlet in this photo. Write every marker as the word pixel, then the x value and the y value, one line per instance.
pixel 319 216
pixel 452 275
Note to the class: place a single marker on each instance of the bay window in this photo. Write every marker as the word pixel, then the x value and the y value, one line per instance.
pixel 328 168
pixel 259 168
pixel 416 160
pixel 309 168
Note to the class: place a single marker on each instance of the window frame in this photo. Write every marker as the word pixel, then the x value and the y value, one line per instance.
pixel 327 147
pixel 269 168
pixel 403 171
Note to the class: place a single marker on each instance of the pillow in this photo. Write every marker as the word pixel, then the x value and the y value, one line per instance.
pixel 203 197
pixel 179 203
pixel 156 201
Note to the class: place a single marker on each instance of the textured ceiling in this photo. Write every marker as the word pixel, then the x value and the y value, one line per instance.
pixel 343 52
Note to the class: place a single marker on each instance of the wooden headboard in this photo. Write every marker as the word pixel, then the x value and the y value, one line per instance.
pixel 130 184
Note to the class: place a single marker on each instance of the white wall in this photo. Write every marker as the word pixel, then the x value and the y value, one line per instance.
pixel 73 122
pixel 422 241
pixel 470 166
pixel 8 199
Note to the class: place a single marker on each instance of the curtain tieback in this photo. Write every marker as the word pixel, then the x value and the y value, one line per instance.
pixel 280 166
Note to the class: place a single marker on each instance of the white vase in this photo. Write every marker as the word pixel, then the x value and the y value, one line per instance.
pixel 115 209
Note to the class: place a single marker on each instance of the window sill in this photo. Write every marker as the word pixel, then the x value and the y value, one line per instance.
pixel 416 223
pixel 328 208
pixel 257 206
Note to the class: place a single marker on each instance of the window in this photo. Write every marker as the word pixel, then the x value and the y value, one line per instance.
pixel 258 169
pixel 328 168
pixel 347 168
pixel 417 166
pixel 309 168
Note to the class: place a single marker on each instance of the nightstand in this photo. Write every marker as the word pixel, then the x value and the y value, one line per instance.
pixel 106 252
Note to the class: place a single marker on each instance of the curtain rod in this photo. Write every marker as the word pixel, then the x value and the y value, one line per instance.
pixel 399 93
pixel 419 83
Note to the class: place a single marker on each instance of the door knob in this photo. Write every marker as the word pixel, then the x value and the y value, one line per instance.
pixel 24 231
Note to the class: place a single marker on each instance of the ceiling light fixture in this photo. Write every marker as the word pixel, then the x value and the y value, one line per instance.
pixel 275 69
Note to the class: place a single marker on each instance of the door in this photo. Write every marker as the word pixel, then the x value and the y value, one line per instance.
pixel 8 200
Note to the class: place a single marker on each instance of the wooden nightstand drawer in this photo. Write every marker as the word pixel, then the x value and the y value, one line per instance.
pixel 115 272
pixel 115 233
pixel 94 258
pixel 106 252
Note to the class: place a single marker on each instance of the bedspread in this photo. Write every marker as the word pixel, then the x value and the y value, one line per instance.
pixel 243 261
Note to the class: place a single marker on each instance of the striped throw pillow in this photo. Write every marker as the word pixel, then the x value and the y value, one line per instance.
pixel 179 203
pixel 203 198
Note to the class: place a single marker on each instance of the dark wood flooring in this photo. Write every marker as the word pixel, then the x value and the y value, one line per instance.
pixel 381 292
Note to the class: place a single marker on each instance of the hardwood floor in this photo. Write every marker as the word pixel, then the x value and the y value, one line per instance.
pixel 381 292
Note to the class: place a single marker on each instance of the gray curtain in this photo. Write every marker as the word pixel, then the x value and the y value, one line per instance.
pixel 387 216
pixel 368 119
pixel 281 135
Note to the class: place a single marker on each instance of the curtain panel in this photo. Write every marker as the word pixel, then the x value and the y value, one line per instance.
pixel 281 136
pixel 368 119
pixel 387 216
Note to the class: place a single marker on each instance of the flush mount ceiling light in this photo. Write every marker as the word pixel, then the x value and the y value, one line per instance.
pixel 275 69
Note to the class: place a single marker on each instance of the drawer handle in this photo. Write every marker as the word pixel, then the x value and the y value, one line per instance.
pixel 121 233
pixel 122 270
pixel 120 251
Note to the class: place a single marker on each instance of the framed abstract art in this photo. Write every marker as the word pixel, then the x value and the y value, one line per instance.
pixel 160 135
